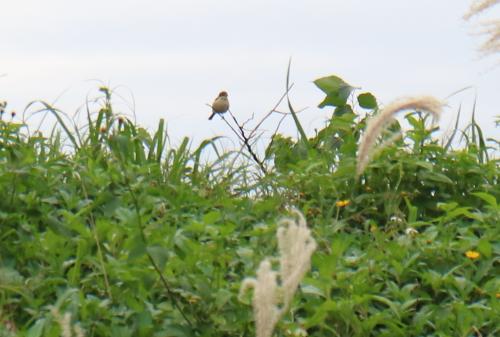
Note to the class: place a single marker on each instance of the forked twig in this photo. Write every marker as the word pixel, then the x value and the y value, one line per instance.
pixel 247 137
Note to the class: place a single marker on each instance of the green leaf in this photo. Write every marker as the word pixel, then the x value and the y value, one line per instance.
pixel 159 254
pixel 177 330
pixel 367 100
pixel 312 290
pixel 412 211
pixel 485 248
pixel 321 313
pixel 490 199
pixel 394 308
pixel 222 297
pixel 138 248
pixel 436 177
pixel 144 323
pixel 10 277
pixel 336 89
pixel 414 122
pixel 343 110
pixel 37 329
pixel 212 217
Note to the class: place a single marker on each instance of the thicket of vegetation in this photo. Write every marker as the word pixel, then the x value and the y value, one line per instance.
pixel 108 231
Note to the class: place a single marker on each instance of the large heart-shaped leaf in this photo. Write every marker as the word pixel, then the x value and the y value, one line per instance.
pixel 336 89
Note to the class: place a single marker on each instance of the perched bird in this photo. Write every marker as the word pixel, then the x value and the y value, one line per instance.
pixel 220 105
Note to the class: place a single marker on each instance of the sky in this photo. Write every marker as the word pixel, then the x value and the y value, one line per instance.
pixel 168 59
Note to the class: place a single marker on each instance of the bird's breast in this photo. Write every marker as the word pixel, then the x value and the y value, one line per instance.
pixel 220 105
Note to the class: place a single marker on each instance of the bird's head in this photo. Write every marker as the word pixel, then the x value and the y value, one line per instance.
pixel 222 94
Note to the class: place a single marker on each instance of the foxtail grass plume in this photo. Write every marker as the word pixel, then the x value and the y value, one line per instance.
pixel 64 321
pixel 478 6
pixel 270 300
pixel 265 299
pixel 492 43
pixel 490 28
pixel 296 247
pixel 379 122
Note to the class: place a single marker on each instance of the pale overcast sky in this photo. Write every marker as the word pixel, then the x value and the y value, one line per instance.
pixel 175 56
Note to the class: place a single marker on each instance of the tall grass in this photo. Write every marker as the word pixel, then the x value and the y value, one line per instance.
pixel 126 235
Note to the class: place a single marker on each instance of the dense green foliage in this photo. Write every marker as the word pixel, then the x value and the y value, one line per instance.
pixel 134 238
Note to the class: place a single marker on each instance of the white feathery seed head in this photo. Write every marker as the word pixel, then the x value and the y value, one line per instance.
pixel 296 247
pixel 492 43
pixel 490 28
pixel 64 321
pixel 270 300
pixel 379 122
pixel 479 6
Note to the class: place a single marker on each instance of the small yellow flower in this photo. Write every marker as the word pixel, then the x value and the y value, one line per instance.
pixel 373 228
pixel 342 203
pixel 472 254
pixel 497 295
